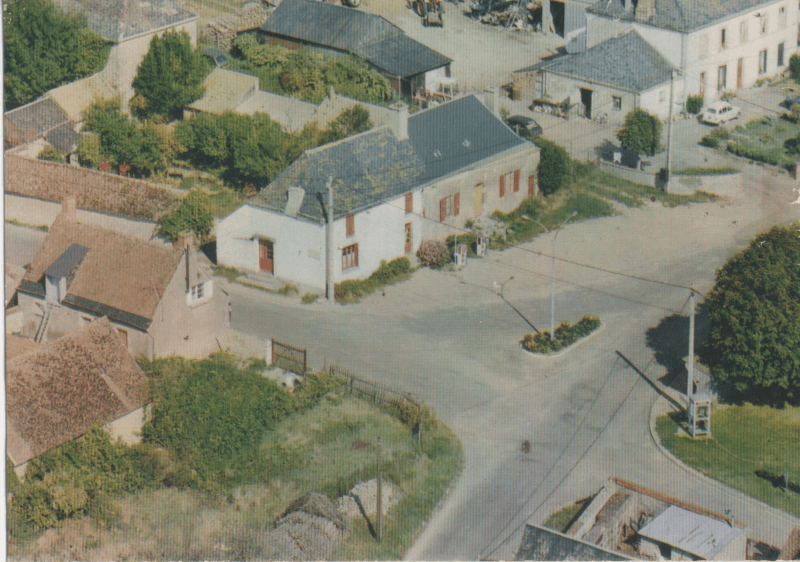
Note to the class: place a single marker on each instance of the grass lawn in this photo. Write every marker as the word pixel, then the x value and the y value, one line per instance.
pixel 561 519
pixel 593 193
pixel 306 452
pixel 746 440
pixel 766 140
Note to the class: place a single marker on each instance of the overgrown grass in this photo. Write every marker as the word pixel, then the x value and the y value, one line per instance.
pixel 308 451
pixel 225 201
pixel 747 441
pixel 771 141
pixel 388 273
pixel 706 171
pixel 561 519
pixel 229 273
pixel 42 227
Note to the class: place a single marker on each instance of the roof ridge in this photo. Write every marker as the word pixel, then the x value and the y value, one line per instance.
pixel 63 219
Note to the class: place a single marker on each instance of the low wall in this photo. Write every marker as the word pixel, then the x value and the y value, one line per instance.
pixel 630 174
pixel 724 185
pixel 36 212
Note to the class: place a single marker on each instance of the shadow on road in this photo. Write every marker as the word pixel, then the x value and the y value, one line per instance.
pixel 652 384
pixel 670 342
pixel 514 308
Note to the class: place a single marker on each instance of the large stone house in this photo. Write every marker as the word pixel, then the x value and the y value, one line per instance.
pixel 393 186
pixel 161 299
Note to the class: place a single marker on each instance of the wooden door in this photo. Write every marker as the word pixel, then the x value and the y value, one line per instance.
pixel 265 256
pixel 409 239
pixel 703 84
pixel 478 200
pixel 739 73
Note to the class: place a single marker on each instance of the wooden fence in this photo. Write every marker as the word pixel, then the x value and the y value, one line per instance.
pixel 289 358
pixel 371 390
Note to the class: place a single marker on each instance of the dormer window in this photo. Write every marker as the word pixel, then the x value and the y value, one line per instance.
pixel 200 292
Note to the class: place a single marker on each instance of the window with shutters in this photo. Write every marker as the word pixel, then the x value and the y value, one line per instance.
pixel 762 62
pixel 722 78
pixel 350 256
pixel 409 202
pixel 782 17
pixel 722 38
pixel 449 206
pixel 509 183
pixel 764 24
pixel 516 181
pixel 350 225
pixel 781 55
pixel 743 32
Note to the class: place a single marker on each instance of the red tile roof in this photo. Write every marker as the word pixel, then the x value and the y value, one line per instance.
pixel 55 393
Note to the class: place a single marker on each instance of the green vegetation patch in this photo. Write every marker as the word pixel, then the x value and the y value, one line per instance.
pixel 388 273
pixel 751 449
pixel 561 520
pixel 565 335
pixel 706 171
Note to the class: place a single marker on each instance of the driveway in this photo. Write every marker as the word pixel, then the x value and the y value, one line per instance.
pixel 451 339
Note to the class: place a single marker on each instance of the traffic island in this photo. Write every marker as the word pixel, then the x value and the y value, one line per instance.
pixel 566 336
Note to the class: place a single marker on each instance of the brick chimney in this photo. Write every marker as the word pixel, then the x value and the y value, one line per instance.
pixel 69 208
pixel 184 240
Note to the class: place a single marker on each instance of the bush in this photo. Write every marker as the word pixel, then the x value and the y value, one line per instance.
pixel 794 67
pixel 641 132
pixel 468 238
pixel 713 138
pixel 710 141
pixel 51 153
pixel 565 335
pixel 309 298
pixel 769 156
pixel 433 253
pixel 351 290
pixel 554 166
pixel 727 96
pixel 694 104
pixel 288 289
pixel 194 213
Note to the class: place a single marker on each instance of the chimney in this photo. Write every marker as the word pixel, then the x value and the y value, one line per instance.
pixel 645 9
pixel 69 207
pixel 184 240
pixel 400 121
pixel 294 201
pixel 491 98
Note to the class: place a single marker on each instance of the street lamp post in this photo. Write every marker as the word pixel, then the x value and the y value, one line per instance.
pixel 553 271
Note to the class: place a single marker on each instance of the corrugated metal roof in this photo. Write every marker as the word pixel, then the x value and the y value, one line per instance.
pixel 679 15
pixel 369 36
pixel 627 62
pixel 374 166
pixel 691 532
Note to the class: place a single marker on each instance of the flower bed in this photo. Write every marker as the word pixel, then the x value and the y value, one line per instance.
pixel 565 335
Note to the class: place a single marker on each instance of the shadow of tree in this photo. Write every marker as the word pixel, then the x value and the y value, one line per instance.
pixel 778 481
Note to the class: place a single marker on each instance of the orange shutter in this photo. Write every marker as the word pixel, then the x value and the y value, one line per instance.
pixel 516 181
pixel 409 202
pixel 355 263
pixel 531 185
pixel 502 185
pixel 350 225
pixel 442 209
pixel 456 200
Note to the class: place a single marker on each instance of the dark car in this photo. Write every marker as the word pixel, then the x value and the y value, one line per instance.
pixel 790 101
pixel 524 126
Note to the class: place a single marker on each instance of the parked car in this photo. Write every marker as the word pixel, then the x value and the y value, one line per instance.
pixel 524 126
pixel 720 112
pixel 790 101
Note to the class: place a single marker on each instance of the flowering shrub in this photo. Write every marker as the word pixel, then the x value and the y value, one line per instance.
pixel 565 335
pixel 433 253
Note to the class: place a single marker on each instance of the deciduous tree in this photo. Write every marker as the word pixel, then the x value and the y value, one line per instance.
pixel 753 344
pixel 641 132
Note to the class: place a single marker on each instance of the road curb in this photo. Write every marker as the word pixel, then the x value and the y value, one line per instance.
pixel 694 472
pixel 570 347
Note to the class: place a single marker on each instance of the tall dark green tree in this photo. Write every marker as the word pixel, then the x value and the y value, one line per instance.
pixel 45 47
pixel 753 345
pixel 553 168
pixel 169 77
pixel 641 132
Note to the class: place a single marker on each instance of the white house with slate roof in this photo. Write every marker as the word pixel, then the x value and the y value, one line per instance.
pixel 716 45
pixel 393 187
pixel 613 77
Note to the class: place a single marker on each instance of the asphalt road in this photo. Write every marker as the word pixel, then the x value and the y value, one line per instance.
pixel 449 338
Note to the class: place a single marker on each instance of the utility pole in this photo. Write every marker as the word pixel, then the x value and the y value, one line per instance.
pixel 329 244
pixel 690 363
pixel 380 494
pixel 669 130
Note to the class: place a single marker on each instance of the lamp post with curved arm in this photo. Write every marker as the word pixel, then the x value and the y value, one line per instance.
pixel 553 271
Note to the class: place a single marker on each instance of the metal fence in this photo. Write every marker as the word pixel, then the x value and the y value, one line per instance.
pixel 289 358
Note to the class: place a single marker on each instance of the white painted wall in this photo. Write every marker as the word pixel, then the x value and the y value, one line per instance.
pixel 127 427
pixel 656 100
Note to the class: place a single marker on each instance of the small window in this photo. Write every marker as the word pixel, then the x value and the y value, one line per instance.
pixel 449 206
pixel 743 32
pixel 722 78
pixel 762 62
pixel 409 202
pixel 350 225
pixel 764 24
pixel 197 291
pixel 617 102
pixel 350 256
pixel 781 60
pixel 722 39
pixel 782 17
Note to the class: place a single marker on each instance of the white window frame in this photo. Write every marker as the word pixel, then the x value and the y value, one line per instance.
pixel 200 292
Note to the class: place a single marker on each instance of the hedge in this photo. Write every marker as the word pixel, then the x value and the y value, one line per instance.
pixel 565 335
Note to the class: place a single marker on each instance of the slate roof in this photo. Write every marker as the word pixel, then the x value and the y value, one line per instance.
pixel 116 20
pixel 33 120
pixel 66 262
pixel 120 276
pixel 369 36
pixel 64 138
pixel 691 532
pixel 539 543
pixel 374 166
pixel 627 62
pixel 56 392
pixel 76 97
pixel 680 15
